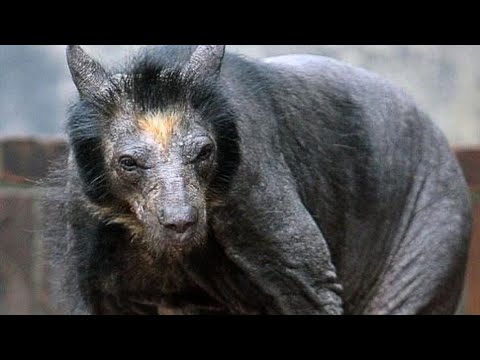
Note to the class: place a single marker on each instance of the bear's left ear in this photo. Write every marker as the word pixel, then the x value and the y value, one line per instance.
pixel 206 60
pixel 88 75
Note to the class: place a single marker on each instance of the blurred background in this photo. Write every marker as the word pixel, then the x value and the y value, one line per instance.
pixel 35 90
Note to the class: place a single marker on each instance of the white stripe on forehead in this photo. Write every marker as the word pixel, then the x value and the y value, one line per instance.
pixel 161 126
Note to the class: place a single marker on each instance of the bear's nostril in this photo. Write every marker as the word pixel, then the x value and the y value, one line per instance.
pixel 180 226
pixel 180 218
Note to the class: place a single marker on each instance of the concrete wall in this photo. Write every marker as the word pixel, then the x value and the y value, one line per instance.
pixel 35 88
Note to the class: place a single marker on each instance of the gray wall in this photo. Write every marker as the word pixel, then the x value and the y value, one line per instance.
pixel 35 88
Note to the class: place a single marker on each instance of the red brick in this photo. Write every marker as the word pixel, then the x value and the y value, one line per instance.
pixel 29 158
pixel 473 271
pixel 16 296
pixel 16 234
pixel 470 161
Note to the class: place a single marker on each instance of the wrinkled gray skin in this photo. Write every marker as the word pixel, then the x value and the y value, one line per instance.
pixel 348 199
pixel 399 244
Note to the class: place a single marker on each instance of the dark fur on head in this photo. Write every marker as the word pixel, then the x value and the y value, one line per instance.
pixel 153 81
pixel 106 231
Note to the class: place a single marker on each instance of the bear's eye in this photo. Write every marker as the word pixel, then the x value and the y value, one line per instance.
pixel 205 153
pixel 127 163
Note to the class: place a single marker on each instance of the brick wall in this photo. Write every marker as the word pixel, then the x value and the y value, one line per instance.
pixel 23 273
pixel 470 161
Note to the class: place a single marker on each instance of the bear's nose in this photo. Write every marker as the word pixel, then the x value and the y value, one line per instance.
pixel 179 218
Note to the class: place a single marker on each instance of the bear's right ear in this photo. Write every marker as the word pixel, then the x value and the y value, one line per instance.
pixel 88 75
pixel 206 59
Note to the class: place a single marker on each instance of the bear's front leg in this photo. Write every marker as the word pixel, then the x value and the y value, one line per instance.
pixel 272 237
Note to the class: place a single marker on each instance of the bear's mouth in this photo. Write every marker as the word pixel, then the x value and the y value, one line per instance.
pixel 179 304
